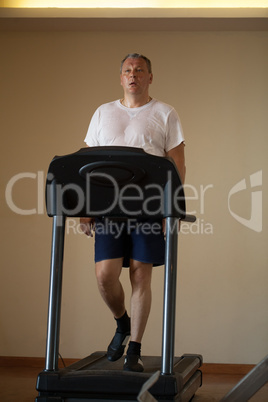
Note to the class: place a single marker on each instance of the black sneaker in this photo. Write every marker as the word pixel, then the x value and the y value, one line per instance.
pixel 133 363
pixel 117 346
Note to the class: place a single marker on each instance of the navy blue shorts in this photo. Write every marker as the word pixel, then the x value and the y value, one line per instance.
pixel 132 239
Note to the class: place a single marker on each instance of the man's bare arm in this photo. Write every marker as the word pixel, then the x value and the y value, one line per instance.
pixel 177 154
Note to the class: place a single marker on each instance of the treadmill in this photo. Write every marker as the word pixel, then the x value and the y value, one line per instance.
pixel 119 183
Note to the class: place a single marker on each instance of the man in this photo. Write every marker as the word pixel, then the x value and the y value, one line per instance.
pixel 136 120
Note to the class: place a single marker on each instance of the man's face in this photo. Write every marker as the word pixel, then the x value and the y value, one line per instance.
pixel 135 77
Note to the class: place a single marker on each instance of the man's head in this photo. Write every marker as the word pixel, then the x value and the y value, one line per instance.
pixel 137 56
pixel 136 77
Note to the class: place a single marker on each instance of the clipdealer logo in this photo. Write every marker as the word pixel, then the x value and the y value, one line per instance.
pixel 197 195
pixel 255 220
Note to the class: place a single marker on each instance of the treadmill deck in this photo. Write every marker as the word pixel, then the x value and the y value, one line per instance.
pixel 96 378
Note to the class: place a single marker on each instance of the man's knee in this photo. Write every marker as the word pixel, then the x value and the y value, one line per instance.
pixel 140 272
pixel 107 272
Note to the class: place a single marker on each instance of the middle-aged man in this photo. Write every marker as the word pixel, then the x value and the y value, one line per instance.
pixel 136 120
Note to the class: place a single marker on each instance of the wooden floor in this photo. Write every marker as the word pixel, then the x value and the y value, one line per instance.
pixel 17 384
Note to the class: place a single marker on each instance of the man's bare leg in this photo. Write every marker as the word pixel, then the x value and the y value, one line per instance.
pixel 140 277
pixel 108 273
pixel 111 290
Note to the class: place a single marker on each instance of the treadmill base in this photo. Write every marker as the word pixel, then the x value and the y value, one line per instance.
pixel 96 379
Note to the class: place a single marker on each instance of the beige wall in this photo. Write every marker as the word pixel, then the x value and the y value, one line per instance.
pixel 51 82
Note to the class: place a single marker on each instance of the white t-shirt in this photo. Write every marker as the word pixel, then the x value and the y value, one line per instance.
pixel 155 127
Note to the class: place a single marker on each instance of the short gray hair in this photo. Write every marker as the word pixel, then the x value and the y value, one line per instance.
pixel 137 56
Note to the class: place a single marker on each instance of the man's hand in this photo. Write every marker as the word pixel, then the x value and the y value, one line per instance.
pixel 87 226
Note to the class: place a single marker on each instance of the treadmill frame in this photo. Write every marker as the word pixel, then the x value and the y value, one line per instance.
pixel 58 212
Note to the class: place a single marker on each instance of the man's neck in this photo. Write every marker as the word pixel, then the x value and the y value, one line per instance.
pixel 133 102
